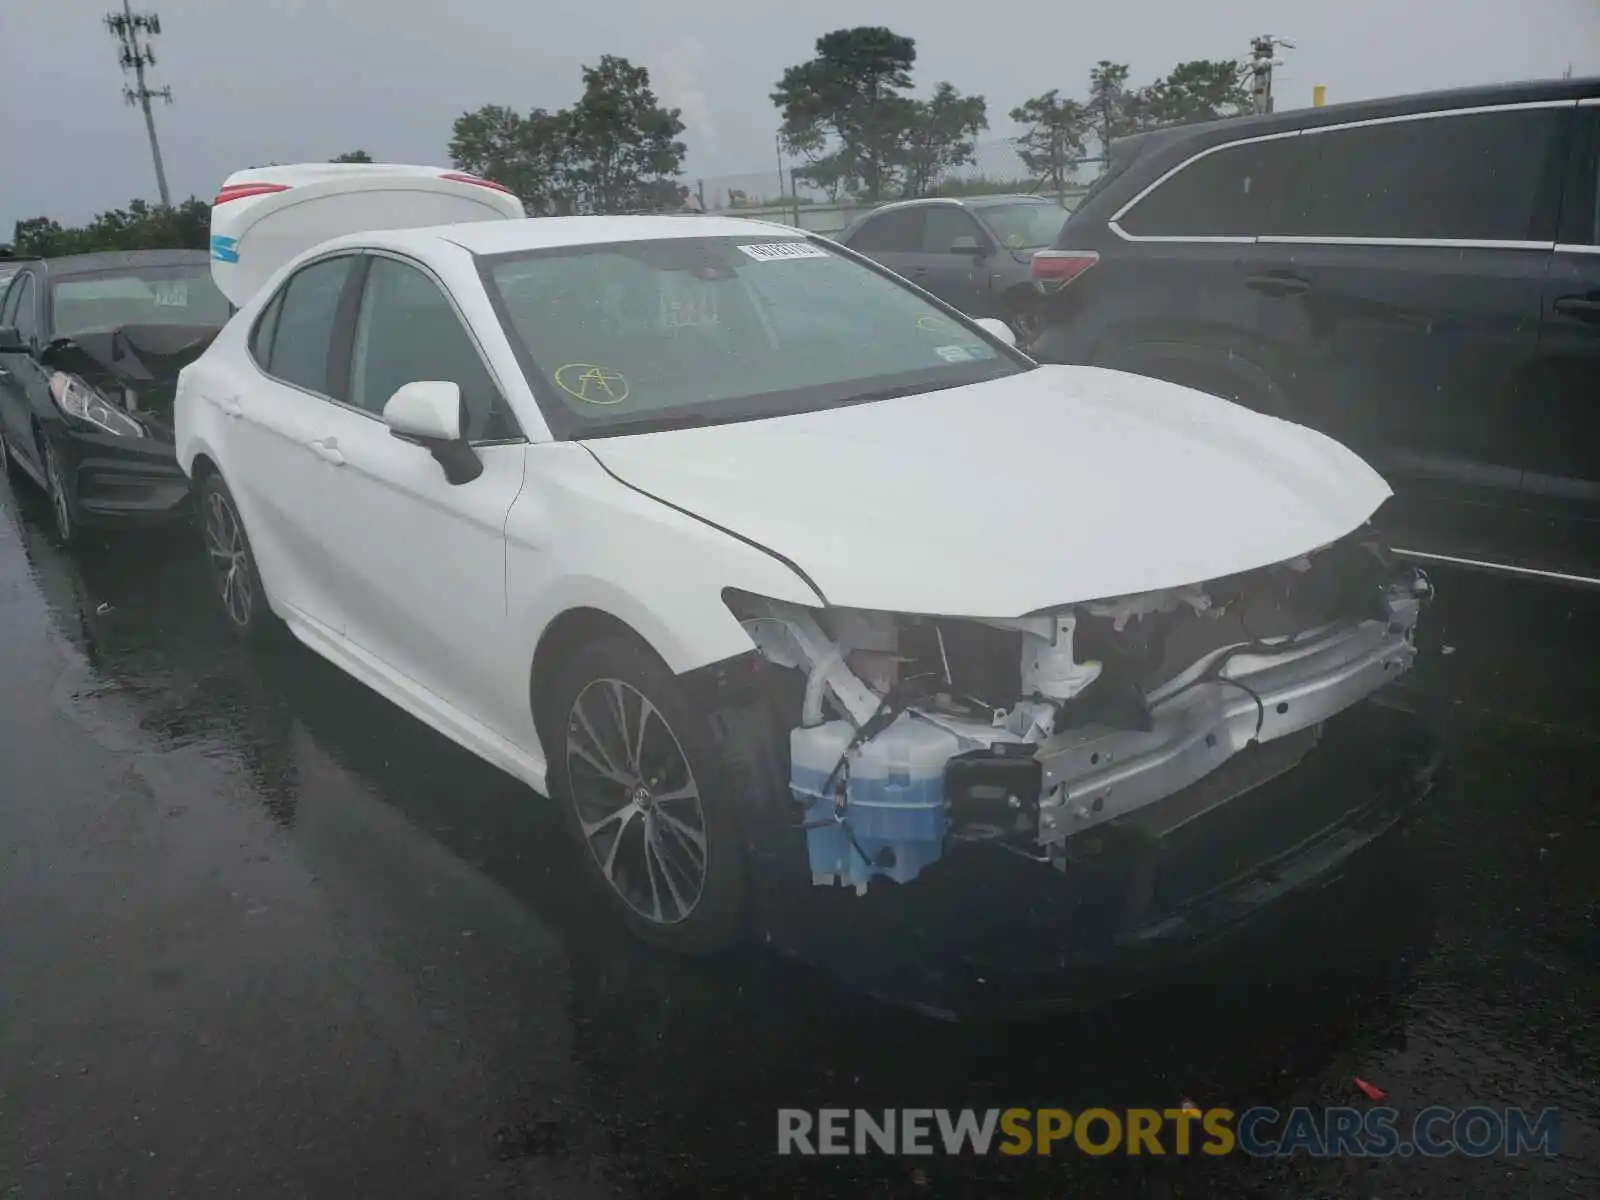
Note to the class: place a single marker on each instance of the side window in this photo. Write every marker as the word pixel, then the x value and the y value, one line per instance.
pixel 266 327
pixel 407 331
pixel 306 313
pixel 10 292
pixel 943 224
pixel 1482 176
pixel 896 232
pixel 26 315
pixel 1231 192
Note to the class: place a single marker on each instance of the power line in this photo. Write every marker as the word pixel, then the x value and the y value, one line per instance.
pixel 133 32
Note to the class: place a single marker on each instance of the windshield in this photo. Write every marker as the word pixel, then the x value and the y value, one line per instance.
pixel 628 336
pixel 164 294
pixel 1025 226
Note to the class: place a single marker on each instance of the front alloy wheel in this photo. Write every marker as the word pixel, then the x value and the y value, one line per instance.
pixel 635 780
pixel 55 482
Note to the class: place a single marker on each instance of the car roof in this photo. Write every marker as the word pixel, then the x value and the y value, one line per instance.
pixel 542 233
pixel 114 260
pixel 1481 96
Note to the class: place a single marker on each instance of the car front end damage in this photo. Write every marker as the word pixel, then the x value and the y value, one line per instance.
pixel 114 391
pixel 1137 773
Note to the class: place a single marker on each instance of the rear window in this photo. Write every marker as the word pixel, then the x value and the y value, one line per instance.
pixel 166 294
pixel 1025 226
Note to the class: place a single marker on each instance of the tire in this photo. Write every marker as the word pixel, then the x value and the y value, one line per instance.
pixel 7 468
pixel 61 506
pixel 674 869
pixel 231 563
pixel 1025 320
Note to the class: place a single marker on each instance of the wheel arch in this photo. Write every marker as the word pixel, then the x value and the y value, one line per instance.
pixel 563 637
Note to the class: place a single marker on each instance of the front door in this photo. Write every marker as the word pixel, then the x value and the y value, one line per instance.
pixel 422 562
pixel 958 277
pixel 274 457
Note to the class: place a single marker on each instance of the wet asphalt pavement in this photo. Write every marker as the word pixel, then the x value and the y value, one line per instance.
pixel 262 934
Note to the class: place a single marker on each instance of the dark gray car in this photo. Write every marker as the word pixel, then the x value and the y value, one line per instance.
pixel 973 253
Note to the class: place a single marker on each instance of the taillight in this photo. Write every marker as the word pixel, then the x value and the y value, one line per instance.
pixel 460 177
pixel 1052 270
pixel 243 191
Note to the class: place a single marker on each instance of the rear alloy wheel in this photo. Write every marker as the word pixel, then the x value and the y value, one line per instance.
pixel 231 563
pixel 55 484
pixel 638 785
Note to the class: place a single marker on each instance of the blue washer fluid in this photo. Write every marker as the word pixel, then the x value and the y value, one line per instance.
pixel 895 799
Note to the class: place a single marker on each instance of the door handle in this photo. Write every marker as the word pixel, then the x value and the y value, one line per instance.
pixel 1584 308
pixel 327 451
pixel 1278 285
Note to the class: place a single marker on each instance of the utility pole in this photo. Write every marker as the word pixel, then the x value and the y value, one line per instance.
pixel 1263 52
pixel 133 32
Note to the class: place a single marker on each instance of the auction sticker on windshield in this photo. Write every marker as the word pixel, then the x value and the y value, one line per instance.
pixel 779 251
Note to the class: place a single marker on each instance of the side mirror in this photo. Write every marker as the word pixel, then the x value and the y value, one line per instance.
pixel 11 340
pixel 997 328
pixel 429 413
pixel 969 245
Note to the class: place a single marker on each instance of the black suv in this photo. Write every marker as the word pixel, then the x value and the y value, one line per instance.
pixel 1417 277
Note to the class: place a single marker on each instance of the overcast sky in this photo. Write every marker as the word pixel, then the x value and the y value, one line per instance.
pixel 257 81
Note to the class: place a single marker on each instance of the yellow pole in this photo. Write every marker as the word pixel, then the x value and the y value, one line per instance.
pixel 1319 96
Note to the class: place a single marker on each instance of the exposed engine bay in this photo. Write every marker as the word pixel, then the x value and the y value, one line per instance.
pixel 133 368
pixel 1027 732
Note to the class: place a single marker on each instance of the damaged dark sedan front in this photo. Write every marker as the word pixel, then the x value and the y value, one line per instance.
pixel 90 350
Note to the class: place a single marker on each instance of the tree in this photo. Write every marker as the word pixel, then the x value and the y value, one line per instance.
pixel 526 154
pixel 1198 90
pixel 1112 108
pixel 140 226
pixel 353 156
pixel 622 147
pixel 1054 141
pixel 846 112
pixel 615 150
pixel 940 134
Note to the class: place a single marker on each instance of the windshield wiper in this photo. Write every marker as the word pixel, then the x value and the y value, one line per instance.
pixel 893 393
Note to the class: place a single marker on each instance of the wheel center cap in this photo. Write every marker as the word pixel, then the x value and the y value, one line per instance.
pixel 642 797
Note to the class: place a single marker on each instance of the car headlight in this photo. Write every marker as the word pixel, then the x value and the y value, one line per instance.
pixel 77 399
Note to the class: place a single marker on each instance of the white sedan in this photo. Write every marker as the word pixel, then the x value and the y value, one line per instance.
pixel 632 506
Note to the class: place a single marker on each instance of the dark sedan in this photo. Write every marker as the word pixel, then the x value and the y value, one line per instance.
pixel 973 253
pixel 90 350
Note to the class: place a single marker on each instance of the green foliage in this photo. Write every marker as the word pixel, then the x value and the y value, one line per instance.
pixel 615 150
pixel 847 112
pixel 1198 90
pixel 140 226
pixel 1055 136
pixel 353 156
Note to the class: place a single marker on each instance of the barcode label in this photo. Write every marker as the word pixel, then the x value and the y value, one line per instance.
pixel 778 251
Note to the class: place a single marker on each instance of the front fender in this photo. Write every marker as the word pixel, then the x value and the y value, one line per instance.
pixel 577 538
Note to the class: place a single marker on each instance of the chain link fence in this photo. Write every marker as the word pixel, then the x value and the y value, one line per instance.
pixel 775 194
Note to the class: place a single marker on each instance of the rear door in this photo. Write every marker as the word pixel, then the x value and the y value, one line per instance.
pixel 1401 284
pixel 421 562
pixel 892 237
pixel 1562 436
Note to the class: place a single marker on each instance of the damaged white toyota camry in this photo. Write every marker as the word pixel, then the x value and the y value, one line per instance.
pixel 762 563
